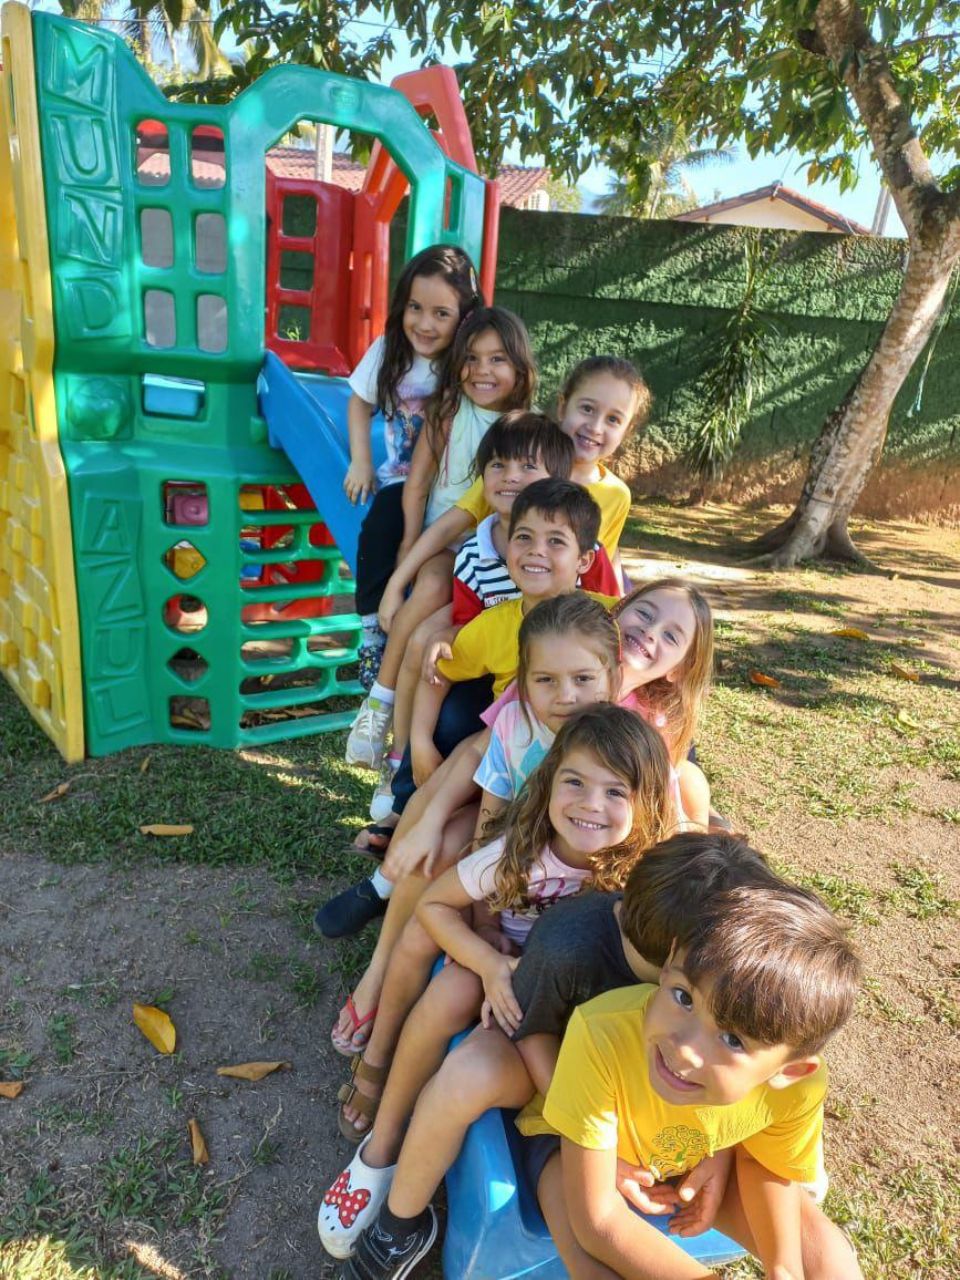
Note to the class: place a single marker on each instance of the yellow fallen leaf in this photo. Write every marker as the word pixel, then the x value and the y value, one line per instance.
pixel 850 633
pixel 11 1088
pixel 904 673
pixel 200 1153
pixel 767 682
pixel 252 1070
pixel 156 1026
pixel 59 790
pixel 906 719
pixel 167 829
pixel 144 764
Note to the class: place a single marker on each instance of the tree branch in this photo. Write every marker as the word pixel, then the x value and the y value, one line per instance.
pixel 843 30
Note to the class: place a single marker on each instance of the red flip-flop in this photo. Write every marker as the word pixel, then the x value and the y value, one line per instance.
pixel 348 1048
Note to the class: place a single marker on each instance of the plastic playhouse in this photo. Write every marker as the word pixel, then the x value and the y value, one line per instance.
pixel 174 550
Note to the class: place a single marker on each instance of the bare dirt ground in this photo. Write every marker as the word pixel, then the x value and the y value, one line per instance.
pixel 848 774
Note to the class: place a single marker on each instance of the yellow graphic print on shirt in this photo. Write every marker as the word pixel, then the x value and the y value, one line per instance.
pixel 676 1149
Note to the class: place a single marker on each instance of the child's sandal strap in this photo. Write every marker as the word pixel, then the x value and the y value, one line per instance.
pixel 351 1096
pixel 360 1070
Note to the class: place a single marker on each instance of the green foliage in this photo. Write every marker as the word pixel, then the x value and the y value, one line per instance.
pixel 651 172
pixel 739 361
pixel 564 81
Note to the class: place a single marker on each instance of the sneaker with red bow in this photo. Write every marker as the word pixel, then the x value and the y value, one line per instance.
pixel 352 1203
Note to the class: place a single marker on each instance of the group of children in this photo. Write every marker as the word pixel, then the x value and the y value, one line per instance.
pixel 648 994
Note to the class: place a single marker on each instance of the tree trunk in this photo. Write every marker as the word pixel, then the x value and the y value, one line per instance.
pixel 852 437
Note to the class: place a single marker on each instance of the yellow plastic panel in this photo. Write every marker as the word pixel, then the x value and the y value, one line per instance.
pixel 39 626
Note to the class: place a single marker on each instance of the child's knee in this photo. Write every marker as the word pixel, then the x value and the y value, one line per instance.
pixel 415 943
pixel 469 1082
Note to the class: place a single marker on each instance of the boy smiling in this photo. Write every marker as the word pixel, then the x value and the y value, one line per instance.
pixel 724 1053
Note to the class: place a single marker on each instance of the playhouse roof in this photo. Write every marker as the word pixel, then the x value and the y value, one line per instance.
pixel 775 206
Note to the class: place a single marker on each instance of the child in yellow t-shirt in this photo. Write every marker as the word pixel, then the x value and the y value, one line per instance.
pixel 724 1053
pixel 602 399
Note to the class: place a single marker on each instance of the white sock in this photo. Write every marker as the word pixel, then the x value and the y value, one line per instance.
pixel 382 887
pixel 380 693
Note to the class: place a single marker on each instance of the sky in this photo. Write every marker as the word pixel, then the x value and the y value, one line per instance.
pixel 729 179
pixel 718 181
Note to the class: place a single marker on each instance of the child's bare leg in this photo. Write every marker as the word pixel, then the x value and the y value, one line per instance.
pixel 400 907
pixel 431 591
pixel 485 1071
pixel 407 975
pixel 409 675
pixel 553 1205
pixel 827 1253
pixel 450 1003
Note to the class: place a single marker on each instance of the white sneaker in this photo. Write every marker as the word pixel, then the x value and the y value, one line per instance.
pixel 368 737
pixel 381 802
pixel 351 1204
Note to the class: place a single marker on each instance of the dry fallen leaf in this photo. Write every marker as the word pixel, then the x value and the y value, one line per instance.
pixel 850 633
pixel 59 790
pixel 167 829
pixel 252 1070
pixel 144 764
pixel 11 1088
pixel 905 673
pixel 200 1153
pixel 156 1026
pixel 768 682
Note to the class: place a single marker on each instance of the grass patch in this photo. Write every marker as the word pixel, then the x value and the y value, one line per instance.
pixel 919 894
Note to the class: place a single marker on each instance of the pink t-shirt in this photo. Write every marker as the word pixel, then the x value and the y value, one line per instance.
pixel 548 882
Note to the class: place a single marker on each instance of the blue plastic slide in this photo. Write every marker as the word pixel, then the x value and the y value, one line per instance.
pixel 494 1227
pixel 306 416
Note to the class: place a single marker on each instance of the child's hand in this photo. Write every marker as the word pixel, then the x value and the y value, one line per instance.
pixel 425 760
pixel 639 1187
pixel 701 1193
pixel 421 844
pixel 498 989
pixel 390 602
pixel 360 481
pixel 431 656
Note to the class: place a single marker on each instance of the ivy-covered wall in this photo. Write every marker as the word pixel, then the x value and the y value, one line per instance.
pixel 658 292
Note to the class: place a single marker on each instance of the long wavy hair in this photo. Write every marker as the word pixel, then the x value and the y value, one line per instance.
pixel 679 701
pixel 629 748
pixel 445 402
pixel 455 269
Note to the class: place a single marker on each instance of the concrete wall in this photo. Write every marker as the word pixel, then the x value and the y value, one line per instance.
pixel 658 292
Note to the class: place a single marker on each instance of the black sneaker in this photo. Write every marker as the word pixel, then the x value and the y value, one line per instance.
pixel 349 911
pixel 378 1256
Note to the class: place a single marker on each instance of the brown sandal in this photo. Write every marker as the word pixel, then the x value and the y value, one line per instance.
pixel 350 1095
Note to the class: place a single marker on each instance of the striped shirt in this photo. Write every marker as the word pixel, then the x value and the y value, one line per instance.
pixel 480 575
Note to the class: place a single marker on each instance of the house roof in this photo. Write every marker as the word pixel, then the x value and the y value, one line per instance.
pixel 777 191
pixel 516 182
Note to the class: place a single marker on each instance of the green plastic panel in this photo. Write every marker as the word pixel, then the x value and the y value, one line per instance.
pixel 161 271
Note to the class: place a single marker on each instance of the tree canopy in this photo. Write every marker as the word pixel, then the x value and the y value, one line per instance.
pixel 566 81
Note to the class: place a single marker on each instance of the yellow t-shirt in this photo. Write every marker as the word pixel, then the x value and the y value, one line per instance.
pixel 490 644
pixel 601 1097
pixel 608 491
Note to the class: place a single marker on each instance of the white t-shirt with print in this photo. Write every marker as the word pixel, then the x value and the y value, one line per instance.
pixel 549 880
pixel 401 429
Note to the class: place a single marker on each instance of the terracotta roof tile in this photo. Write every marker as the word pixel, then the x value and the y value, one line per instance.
pixel 516 182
